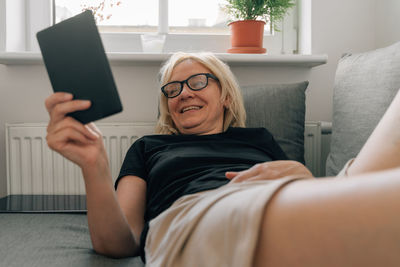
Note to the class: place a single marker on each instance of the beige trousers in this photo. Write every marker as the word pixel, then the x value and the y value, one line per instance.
pixel 212 228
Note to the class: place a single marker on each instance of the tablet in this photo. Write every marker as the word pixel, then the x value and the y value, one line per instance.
pixel 76 62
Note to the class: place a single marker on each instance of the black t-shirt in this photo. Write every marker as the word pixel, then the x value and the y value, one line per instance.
pixel 177 165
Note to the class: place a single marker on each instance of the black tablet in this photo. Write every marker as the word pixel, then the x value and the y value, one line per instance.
pixel 76 62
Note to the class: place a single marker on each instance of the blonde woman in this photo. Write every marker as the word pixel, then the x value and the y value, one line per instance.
pixel 205 191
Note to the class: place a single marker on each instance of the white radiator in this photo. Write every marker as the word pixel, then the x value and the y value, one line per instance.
pixel 312 147
pixel 32 168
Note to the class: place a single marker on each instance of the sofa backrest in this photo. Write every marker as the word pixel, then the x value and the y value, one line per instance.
pixel 365 85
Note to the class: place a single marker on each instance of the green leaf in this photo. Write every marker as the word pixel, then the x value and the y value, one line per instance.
pixel 267 10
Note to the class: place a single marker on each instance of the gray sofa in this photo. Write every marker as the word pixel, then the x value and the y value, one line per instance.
pixel 62 239
pixel 365 84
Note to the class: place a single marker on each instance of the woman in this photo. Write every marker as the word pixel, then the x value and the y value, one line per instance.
pixel 206 194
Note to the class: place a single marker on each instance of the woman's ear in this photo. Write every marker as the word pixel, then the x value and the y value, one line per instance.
pixel 227 102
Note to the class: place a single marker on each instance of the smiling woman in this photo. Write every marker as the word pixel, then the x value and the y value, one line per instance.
pixel 196 111
pixel 228 111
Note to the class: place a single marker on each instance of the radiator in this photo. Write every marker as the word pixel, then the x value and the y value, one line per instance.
pixel 32 168
pixel 312 147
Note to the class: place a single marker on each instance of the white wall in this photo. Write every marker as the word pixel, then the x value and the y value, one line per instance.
pixel 2 25
pixel 387 22
pixel 15 26
pixel 338 26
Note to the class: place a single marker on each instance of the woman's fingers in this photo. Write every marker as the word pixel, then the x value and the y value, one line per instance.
pixel 60 110
pixel 60 104
pixel 270 170
pixel 237 177
pixel 75 141
pixel 93 128
pixel 55 99
pixel 231 175
pixel 71 123
pixel 66 136
pixel 92 132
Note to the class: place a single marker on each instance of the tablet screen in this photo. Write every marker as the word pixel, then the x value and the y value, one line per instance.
pixel 76 62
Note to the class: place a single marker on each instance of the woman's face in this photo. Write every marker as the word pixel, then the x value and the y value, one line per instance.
pixel 196 112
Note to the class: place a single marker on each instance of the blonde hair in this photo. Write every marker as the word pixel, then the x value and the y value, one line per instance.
pixel 234 115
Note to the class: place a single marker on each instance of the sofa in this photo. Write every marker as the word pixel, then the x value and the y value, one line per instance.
pixel 39 231
pixel 364 86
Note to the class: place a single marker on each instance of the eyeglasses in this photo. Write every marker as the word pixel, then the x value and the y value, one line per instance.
pixel 195 82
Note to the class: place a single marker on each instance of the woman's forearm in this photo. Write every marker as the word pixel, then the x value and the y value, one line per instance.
pixel 110 232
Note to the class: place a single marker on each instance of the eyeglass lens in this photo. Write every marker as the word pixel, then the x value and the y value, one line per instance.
pixel 196 82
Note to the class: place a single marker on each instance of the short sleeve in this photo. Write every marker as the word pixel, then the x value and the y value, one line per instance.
pixel 134 162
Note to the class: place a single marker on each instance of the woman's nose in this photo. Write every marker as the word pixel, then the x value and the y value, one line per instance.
pixel 186 92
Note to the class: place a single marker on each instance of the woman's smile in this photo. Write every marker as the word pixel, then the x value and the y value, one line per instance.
pixel 190 108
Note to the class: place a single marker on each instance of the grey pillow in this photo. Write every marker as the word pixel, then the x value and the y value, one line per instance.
pixel 280 108
pixel 365 84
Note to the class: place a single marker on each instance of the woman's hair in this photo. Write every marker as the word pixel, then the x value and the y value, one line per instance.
pixel 234 115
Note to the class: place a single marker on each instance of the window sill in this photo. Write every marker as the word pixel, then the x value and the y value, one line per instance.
pixel 309 61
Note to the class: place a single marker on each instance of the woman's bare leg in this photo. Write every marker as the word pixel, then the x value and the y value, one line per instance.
pixel 382 149
pixel 333 222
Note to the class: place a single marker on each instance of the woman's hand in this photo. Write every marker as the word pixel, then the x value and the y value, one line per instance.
pixel 82 144
pixel 269 171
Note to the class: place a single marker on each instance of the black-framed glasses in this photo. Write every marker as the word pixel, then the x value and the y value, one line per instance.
pixel 195 82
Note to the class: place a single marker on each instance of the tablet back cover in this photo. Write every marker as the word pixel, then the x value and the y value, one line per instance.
pixel 76 62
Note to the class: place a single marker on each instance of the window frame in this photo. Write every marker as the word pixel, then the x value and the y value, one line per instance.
pixel 37 16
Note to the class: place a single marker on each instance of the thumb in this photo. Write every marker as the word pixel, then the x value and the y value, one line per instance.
pixel 231 175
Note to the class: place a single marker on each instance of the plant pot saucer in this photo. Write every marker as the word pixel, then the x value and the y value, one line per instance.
pixel 247 50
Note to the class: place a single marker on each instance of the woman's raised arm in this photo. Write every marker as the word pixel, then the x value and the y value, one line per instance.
pixel 112 232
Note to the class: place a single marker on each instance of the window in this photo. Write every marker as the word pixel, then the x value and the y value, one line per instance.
pixel 190 25
pixel 113 16
pixel 184 16
pixel 206 16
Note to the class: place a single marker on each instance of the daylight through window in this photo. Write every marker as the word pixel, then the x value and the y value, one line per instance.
pixel 185 16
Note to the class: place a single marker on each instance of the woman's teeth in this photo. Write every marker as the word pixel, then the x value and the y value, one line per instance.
pixel 189 108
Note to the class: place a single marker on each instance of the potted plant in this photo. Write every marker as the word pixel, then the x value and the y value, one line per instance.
pixel 250 17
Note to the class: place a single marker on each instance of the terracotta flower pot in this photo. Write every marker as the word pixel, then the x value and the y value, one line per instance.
pixel 247 36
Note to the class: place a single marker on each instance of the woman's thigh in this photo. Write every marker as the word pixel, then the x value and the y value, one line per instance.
pixel 333 222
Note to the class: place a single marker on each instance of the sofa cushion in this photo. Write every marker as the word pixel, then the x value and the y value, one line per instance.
pixel 51 239
pixel 281 109
pixel 365 85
